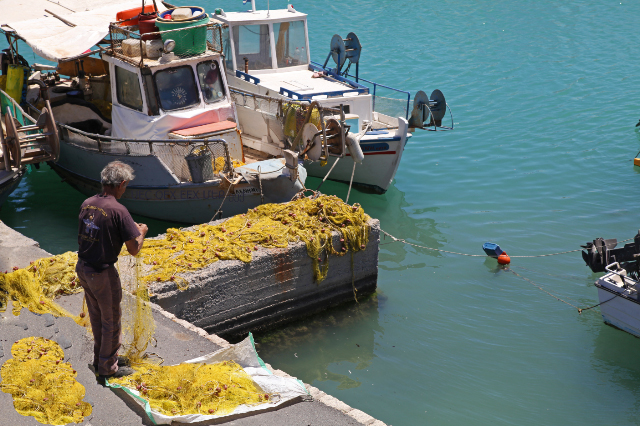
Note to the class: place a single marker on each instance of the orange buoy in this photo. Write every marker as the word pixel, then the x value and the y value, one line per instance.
pixel 504 258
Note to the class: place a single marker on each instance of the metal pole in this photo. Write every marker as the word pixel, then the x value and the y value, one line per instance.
pixel 374 96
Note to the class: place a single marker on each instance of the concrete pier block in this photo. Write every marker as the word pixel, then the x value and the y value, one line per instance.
pixel 17 250
pixel 231 297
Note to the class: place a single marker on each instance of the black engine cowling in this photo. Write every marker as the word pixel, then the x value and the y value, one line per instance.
pixel 600 253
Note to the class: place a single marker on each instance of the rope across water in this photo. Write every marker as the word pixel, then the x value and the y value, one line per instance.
pixel 477 255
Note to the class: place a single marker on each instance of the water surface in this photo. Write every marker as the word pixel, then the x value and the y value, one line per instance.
pixel 544 98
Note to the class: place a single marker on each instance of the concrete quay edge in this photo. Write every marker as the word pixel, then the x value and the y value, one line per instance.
pixel 19 250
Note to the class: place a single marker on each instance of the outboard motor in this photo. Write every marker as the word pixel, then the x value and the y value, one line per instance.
pixel 600 253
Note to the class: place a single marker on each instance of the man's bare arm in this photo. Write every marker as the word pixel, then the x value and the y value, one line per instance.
pixel 135 245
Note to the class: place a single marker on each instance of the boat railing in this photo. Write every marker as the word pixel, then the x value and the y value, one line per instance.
pixel 172 152
pixel 118 34
pixel 396 104
pixel 270 105
pixel 16 110
pixel 626 280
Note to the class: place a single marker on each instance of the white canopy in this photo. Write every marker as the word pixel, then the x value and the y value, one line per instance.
pixel 50 37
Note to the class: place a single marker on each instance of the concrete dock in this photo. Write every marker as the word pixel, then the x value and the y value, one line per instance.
pixel 178 340
pixel 231 298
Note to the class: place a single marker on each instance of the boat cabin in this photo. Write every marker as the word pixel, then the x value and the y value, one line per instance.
pixel 136 93
pixel 267 52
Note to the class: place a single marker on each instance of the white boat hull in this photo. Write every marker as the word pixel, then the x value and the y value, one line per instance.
pixel 382 157
pixel 619 307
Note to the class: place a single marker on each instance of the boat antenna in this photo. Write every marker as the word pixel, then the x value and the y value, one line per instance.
pixel 268 10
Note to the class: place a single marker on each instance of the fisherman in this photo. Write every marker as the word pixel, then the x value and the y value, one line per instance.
pixel 104 226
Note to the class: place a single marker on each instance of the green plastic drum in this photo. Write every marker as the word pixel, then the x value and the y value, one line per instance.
pixel 189 41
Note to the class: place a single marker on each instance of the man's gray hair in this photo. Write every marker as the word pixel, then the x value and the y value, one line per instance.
pixel 115 172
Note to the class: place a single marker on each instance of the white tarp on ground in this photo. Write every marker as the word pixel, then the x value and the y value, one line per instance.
pixel 245 355
pixel 51 38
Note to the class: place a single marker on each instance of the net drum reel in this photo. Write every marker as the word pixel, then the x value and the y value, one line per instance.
pixel 429 108
pixel 319 145
pixel 42 144
pixel 341 50
pixel 330 141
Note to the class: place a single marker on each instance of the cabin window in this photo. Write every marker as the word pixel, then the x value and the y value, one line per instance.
pixel 253 43
pixel 128 89
pixel 291 44
pixel 210 81
pixel 176 88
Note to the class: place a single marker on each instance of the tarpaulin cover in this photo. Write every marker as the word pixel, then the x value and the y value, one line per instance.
pixel 245 355
pixel 51 38
pixel 137 125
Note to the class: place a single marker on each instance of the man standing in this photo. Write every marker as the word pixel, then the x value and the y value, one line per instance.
pixel 104 225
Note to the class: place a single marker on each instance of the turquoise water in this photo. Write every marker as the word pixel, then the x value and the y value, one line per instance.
pixel 544 99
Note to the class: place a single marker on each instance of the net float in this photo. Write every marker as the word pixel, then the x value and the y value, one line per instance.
pixel 504 258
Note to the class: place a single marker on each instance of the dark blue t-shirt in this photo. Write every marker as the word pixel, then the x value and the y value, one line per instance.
pixel 104 226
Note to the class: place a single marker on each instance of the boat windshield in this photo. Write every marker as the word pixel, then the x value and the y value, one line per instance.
pixel 210 81
pixel 291 44
pixel 176 88
pixel 128 89
pixel 252 43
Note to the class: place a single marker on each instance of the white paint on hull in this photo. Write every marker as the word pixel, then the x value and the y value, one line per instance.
pixel 616 309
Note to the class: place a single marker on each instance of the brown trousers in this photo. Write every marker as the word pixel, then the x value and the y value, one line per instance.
pixel 103 294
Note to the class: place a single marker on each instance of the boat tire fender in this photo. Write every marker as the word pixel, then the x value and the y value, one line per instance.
pixel 354 148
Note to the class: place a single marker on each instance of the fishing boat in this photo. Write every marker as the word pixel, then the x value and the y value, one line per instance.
pixel 267 61
pixel 136 85
pixel 619 288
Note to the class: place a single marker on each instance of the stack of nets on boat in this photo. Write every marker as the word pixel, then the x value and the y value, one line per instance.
pixel 288 116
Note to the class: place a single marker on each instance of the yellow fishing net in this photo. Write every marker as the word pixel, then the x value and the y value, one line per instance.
pixel 195 388
pixel 187 388
pixel 294 116
pixel 36 286
pixel 42 384
pixel 138 325
pixel 219 163
pixel 310 220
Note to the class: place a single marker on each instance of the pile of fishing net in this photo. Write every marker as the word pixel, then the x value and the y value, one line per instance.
pixel 195 388
pixel 42 384
pixel 230 381
pixel 45 387
pixel 308 219
pixel 36 286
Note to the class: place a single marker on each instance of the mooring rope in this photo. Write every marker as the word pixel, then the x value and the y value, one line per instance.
pixel 580 310
pixel 353 172
pixel 327 175
pixel 478 255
